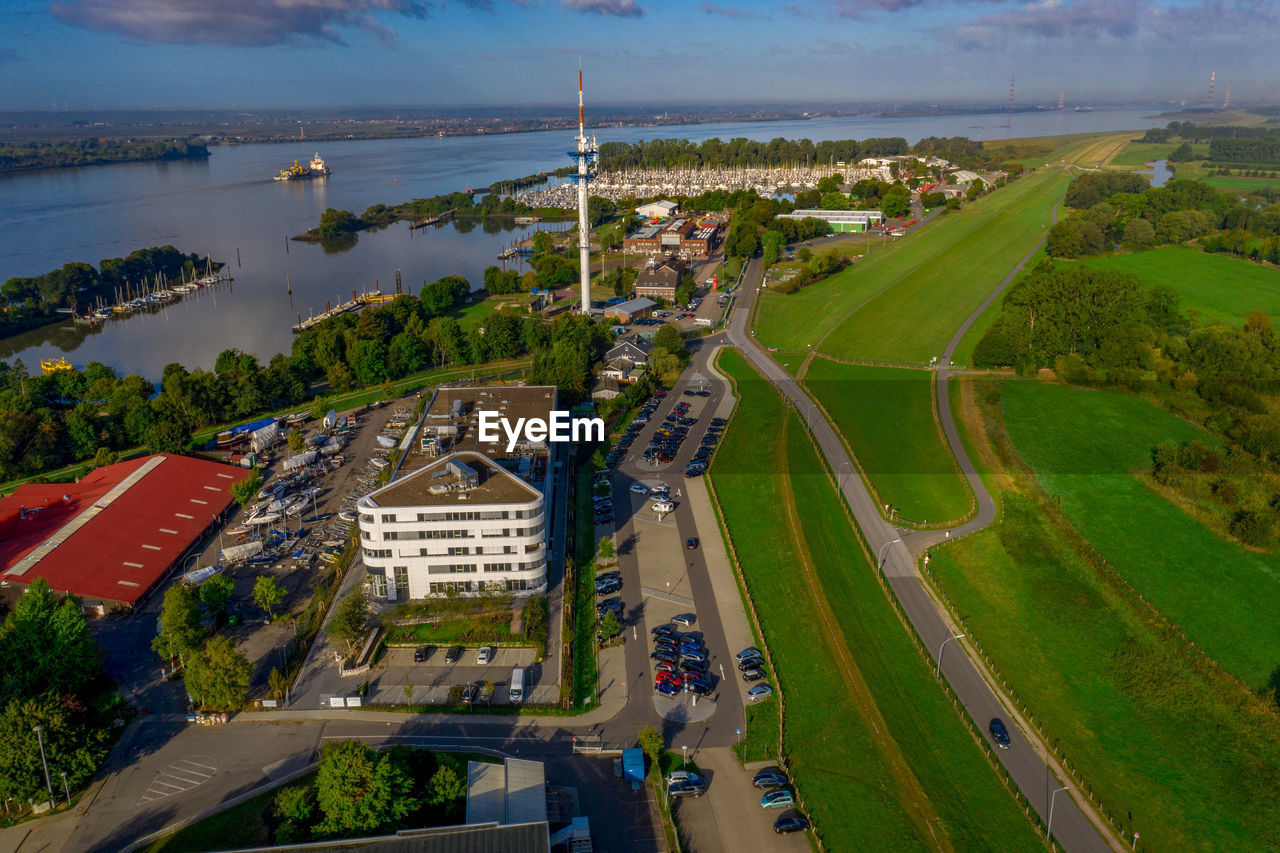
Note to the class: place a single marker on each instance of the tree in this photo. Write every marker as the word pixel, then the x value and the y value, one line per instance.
pixel 168 436
pixel 669 338
pixel 268 593
pixel 218 677
pixel 895 206
pixel 350 619
pixel 650 740
pixel 543 243
pixel 1139 232
pixel 216 592
pixel 294 807
pixel 296 441
pixel 277 683
pixel 609 625
pixel 770 243
pixel 606 552
pixel 181 631
pixel 447 789
pixel 358 790
pixel 247 489
pixel 69 745
pixel 45 645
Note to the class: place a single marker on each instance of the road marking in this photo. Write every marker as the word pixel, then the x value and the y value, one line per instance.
pixel 178 777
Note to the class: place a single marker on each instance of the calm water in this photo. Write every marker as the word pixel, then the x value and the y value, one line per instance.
pixel 1161 173
pixel 229 201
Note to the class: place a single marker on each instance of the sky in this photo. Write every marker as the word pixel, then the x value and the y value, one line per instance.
pixel 247 54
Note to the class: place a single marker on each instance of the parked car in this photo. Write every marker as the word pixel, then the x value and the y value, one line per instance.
pixel 663 630
pixel 666 689
pixel 753 675
pixel 470 692
pixel 759 693
pixel 999 733
pixel 691 543
pixel 485 655
pixel 421 654
pixel 777 800
pixel 769 777
pixel 750 663
pixel 749 652
pixel 789 824
pixel 688 789
pixel 453 655
pixel 608 586
pixel 685 619
pixel 697 688
pixel 639 489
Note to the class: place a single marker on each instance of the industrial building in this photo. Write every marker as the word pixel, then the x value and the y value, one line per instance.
pixel 658 209
pixel 685 236
pixel 841 221
pixel 628 312
pixel 113 537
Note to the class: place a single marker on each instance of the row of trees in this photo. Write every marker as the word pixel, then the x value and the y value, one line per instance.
pixel 29 301
pixel 1118 207
pixel 50 665
pixel 93 152
pixel 741 152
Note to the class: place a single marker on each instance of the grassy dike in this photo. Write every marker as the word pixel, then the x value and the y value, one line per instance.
pixel 879 756
pixel 1166 742
pixel 885 415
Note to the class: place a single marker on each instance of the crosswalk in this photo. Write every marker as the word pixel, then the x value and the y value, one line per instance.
pixel 179 776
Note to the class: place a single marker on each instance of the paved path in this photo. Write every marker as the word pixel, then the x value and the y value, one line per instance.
pixel 1023 761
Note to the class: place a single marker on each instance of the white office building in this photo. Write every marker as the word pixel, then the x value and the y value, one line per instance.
pixel 462 523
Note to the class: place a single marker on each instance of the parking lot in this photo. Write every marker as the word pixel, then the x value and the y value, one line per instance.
pixel 433 681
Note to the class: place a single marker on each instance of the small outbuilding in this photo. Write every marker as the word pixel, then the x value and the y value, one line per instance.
pixel 658 209
pixel 628 312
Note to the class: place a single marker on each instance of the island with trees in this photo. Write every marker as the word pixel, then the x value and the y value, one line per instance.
pixel 56 154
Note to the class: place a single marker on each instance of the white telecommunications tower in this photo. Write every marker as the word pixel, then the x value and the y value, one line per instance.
pixel 587 154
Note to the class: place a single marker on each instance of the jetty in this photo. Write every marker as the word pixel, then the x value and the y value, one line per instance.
pixel 357 302
pixel 432 220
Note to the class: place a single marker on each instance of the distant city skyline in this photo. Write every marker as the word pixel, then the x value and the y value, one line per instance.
pixel 251 54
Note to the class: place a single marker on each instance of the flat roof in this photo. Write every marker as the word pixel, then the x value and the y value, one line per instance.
pixel 438 484
pixel 116 533
pixel 631 306
pixel 455 410
pixel 484 838
pixel 646 232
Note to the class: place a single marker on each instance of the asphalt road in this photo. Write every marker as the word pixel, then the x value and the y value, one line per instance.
pixel 1025 766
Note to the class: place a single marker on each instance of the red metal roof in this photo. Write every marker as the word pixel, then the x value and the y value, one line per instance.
pixel 117 538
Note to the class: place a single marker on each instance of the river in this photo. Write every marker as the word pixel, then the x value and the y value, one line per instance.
pixel 229 203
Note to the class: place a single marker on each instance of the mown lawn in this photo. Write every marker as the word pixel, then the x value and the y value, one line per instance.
pixel 904 302
pixel 886 415
pixel 842 767
pixel 1083 445
pixel 1164 752
pixel 1138 154
pixel 1214 286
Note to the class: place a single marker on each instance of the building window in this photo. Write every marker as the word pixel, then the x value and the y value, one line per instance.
pixel 366 519
pixel 402 582
pixel 376 554
pixel 378 584
pixel 517 585
pixel 389 516
pixel 457 551
pixel 390 535
pixel 365 534
pixel 452 568
pixel 442 587
pixel 497 567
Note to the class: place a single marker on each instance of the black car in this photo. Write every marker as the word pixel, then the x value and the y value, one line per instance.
pixel 691 543
pixel 770 777
pixel 697 688
pixel 999 733
pixel 750 675
pixel 454 653
pixel 608 586
pixel 614 604
pixel 750 663
pixel 613 573
pixel 421 654
pixel 664 630
pixel 791 823
pixel 690 635
pixel 698 666
pixel 662 655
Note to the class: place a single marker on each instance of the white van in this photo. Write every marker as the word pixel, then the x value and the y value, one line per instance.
pixel 515 692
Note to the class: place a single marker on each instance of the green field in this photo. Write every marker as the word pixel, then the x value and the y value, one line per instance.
pixel 919 770
pixel 1083 445
pixel 1138 154
pixel 904 302
pixel 1215 286
pixel 886 416
pixel 1188 761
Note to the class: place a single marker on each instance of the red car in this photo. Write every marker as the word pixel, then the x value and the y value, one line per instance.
pixel 670 678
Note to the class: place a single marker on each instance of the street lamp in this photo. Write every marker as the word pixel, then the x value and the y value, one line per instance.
pixel 66 788
pixel 1051 799
pixel 685 762
pixel 942 648
pixel 883 548
pixel 44 761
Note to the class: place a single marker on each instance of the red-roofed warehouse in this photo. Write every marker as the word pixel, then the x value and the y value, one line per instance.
pixel 115 535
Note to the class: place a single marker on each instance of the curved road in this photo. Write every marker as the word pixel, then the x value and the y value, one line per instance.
pixel 1072 829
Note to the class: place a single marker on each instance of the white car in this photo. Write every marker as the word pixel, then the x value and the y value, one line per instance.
pixel 661 487
pixel 485 655
pixel 759 693
pixel 663 506
pixel 638 489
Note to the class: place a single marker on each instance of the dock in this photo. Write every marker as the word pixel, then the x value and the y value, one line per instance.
pixel 431 220
pixel 356 303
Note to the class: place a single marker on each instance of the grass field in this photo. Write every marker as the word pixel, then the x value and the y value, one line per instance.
pixel 903 303
pixel 1138 154
pixel 918 772
pixel 1215 286
pixel 1083 445
pixel 886 416
pixel 1186 760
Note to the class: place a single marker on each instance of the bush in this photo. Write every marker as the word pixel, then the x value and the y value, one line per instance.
pixel 1252 528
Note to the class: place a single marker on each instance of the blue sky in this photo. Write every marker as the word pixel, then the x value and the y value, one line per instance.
pixel 273 53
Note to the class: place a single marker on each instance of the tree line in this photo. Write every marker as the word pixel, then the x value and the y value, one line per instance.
pixel 741 152
pixel 88 415
pixel 1103 327
pixel 94 152
pixel 30 301
pixel 1114 208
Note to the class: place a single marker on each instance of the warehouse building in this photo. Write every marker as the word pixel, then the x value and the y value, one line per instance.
pixel 685 236
pixel 628 312
pixel 657 209
pixel 113 537
pixel 841 221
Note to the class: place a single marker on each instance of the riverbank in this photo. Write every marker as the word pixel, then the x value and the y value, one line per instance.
pixel 30 156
